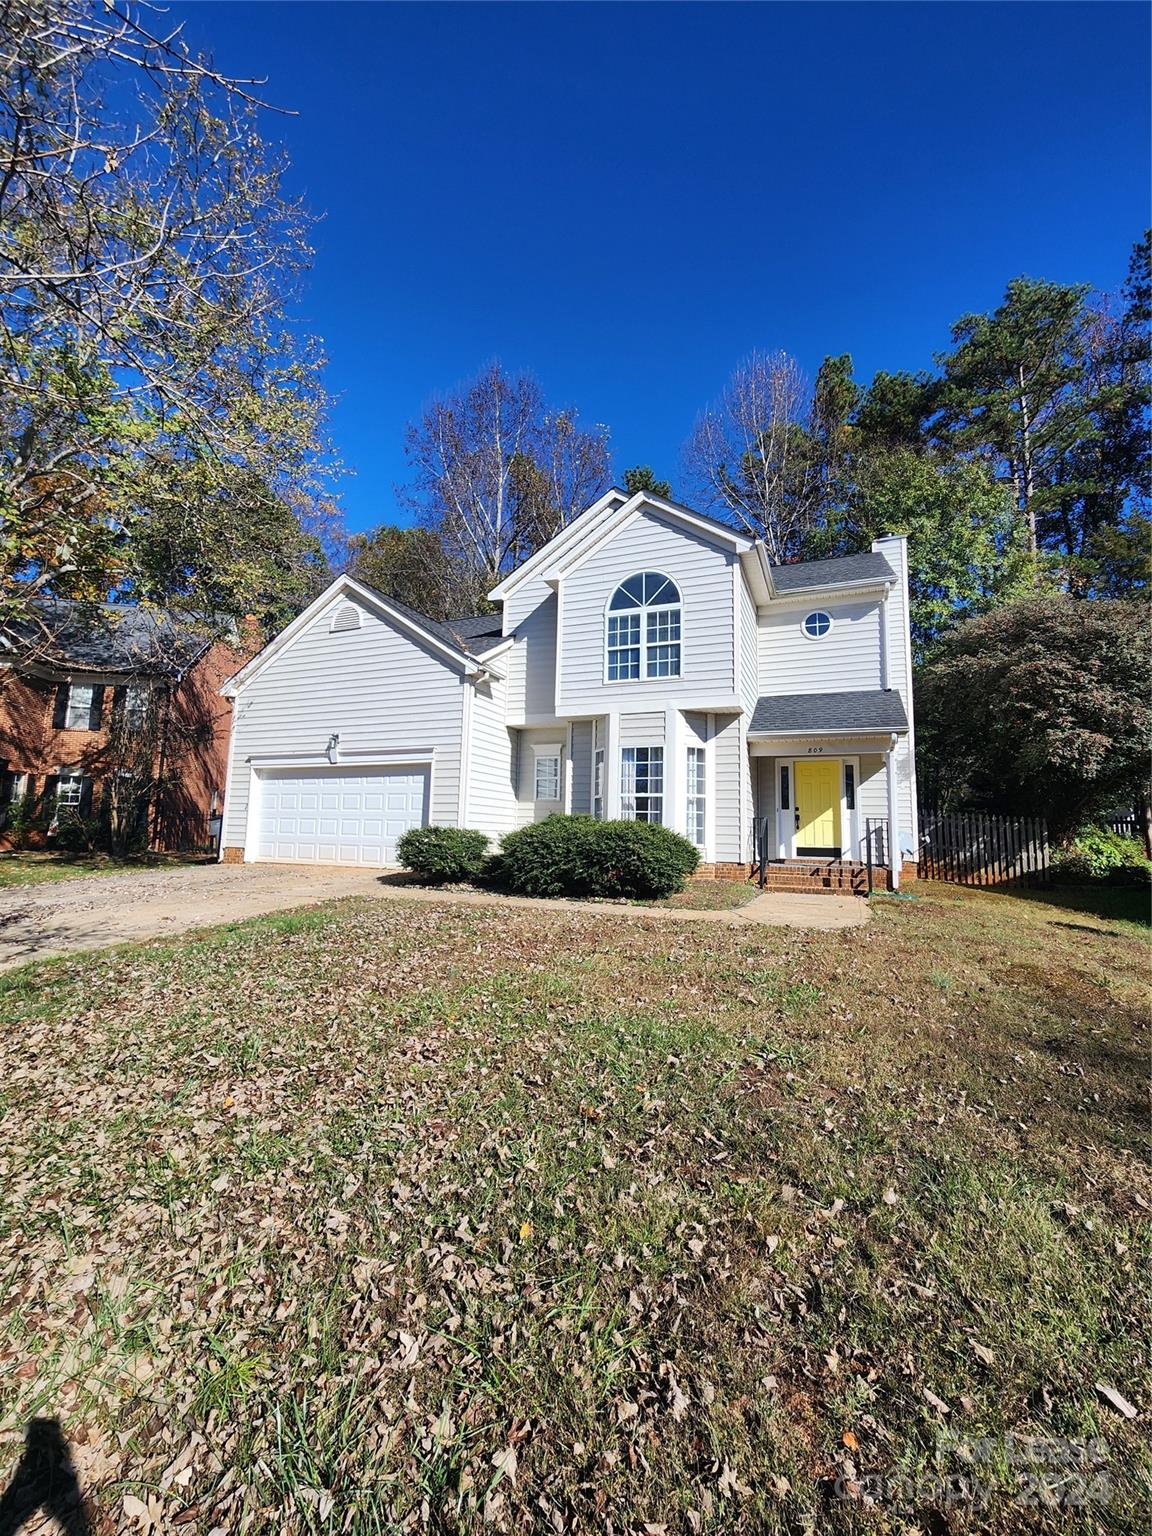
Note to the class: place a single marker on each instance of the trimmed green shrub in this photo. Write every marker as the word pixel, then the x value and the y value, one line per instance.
pixel 1099 854
pixel 443 853
pixel 579 856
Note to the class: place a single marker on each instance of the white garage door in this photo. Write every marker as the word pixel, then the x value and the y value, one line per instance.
pixel 337 816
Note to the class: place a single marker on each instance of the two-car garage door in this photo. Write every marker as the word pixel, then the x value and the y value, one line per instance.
pixel 338 815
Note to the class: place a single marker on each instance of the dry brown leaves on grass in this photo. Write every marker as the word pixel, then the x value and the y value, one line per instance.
pixel 402 1218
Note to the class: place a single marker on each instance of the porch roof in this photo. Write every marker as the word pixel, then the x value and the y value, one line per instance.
pixel 791 714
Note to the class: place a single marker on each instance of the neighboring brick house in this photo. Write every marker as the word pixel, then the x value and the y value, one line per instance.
pixel 77 684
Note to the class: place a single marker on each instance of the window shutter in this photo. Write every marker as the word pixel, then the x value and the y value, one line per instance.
pixel 95 714
pixel 60 709
pixel 85 806
pixel 118 697
pixel 48 795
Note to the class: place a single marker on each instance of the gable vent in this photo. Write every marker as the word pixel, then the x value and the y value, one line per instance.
pixel 347 617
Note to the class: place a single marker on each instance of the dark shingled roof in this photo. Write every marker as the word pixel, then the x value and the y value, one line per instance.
pixel 107 637
pixel 479 626
pixel 831 573
pixel 477 632
pixel 791 714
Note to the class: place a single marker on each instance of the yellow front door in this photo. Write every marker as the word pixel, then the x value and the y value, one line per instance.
pixel 817 805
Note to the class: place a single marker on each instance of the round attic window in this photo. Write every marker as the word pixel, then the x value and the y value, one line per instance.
pixel 817 625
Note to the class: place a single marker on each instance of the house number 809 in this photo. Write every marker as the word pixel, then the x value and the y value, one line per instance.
pixel 812 751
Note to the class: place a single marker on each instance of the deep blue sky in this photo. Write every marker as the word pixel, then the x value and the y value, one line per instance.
pixel 626 199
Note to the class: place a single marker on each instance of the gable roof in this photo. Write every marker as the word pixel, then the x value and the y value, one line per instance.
pixel 439 637
pixel 106 638
pixel 842 571
pixel 867 711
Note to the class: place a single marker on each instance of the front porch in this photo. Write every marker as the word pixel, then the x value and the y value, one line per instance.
pixel 833 791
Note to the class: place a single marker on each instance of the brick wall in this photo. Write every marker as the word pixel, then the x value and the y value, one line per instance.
pixel 30 743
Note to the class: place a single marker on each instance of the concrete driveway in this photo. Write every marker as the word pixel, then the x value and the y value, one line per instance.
pixel 94 911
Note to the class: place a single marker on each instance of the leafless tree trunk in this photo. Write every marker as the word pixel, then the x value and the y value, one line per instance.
pixel 752 456
pixel 496 474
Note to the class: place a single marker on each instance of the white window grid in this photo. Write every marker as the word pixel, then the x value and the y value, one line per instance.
pixel 79 714
pixel 135 706
pixel 547 776
pixel 642 783
pixel 598 783
pixel 697 796
pixel 69 791
pixel 643 636
pixel 623 647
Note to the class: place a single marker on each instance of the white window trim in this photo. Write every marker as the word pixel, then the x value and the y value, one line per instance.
pixel 599 761
pixel 628 794
pixel 643 611
pixel 548 749
pixel 73 689
pixel 700 795
pixel 811 613
pixel 69 777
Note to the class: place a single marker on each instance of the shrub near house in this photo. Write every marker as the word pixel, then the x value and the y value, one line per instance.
pixel 443 854
pixel 580 856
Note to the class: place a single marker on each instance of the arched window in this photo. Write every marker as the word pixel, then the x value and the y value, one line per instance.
pixel 643 638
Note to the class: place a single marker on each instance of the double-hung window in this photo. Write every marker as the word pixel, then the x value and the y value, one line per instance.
pixel 79 713
pixel 135 706
pixel 697 798
pixel 69 791
pixel 643 634
pixel 547 776
pixel 642 783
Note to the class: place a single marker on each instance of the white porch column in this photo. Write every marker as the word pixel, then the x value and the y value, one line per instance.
pixel 612 767
pixel 893 816
pixel 675 775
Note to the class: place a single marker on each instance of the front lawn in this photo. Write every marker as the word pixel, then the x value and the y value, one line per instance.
pixel 46 868
pixel 385 1217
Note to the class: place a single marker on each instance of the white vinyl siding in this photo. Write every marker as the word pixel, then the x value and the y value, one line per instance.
pixel 581 767
pixel 378 687
pixel 642 730
pixel 547 741
pixel 731 768
pixel 872 789
pixel 491 777
pixel 701 570
pixel 530 665
pixel 748 677
pixel 847 659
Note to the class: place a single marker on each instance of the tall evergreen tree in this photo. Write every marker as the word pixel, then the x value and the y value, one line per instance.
pixel 642 477
pixel 1014 391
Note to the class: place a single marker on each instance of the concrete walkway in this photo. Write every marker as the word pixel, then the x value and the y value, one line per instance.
pixel 94 911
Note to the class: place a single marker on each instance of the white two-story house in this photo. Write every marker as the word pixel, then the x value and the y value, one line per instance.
pixel 647 662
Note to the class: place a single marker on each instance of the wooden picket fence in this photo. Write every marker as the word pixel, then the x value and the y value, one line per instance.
pixel 979 848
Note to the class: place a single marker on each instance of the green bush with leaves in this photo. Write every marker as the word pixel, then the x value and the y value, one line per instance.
pixel 1098 853
pixel 579 856
pixel 443 854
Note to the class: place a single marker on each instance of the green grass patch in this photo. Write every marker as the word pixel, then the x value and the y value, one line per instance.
pixel 383 1216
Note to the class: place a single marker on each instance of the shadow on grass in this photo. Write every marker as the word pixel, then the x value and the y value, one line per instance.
pixel 44 1479
pixel 1118 903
